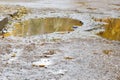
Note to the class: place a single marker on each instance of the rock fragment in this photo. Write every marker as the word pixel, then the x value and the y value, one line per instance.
pixel 3 22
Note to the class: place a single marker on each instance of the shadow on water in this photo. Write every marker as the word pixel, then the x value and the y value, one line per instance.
pixel 112 29
pixel 44 25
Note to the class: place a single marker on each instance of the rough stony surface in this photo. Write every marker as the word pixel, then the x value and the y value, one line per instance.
pixel 78 55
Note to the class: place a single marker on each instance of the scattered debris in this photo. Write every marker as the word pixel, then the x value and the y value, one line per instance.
pixel 13 55
pixel 68 58
pixel 42 63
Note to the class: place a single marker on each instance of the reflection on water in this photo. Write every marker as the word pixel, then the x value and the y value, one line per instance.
pixel 44 25
pixel 112 29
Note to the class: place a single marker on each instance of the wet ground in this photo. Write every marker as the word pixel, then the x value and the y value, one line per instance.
pixel 80 54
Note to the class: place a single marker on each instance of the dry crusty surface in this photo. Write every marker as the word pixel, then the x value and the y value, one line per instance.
pixel 73 58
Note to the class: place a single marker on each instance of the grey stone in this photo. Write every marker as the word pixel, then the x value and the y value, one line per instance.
pixel 3 22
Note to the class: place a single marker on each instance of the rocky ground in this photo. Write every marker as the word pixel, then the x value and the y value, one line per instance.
pixel 78 55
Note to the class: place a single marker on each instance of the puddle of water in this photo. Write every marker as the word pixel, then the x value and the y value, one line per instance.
pixel 43 26
pixel 112 29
